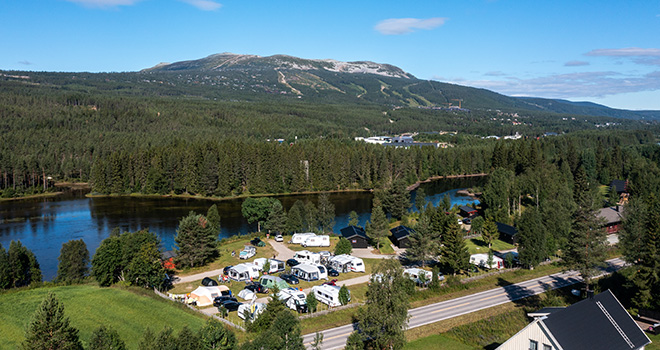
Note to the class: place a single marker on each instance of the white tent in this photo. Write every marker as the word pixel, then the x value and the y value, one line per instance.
pixel 205 295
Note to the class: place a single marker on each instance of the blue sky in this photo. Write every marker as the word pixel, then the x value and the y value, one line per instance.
pixel 602 51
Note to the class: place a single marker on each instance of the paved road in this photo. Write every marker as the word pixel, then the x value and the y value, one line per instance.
pixel 335 338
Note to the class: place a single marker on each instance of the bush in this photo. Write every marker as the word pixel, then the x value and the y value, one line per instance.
pixel 343 247
pixel 344 295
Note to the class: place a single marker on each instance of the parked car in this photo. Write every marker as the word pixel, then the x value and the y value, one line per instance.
pixel 257 242
pixel 292 262
pixel 290 279
pixel 257 287
pixel 332 272
pixel 219 300
pixel 231 305
pixel 208 282
pixel 467 221
pixel 247 252
pixel 332 282
pixel 279 238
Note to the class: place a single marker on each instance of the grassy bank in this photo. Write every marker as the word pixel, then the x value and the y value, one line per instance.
pixel 129 312
pixel 194 196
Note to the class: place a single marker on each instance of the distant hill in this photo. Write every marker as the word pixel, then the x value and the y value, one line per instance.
pixel 234 77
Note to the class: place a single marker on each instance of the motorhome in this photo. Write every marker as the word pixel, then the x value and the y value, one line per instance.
pixel 345 263
pixel 299 238
pixel 328 294
pixel 481 260
pixel 275 265
pixel 307 257
pixel 317 241
pixel 243 272
pixel 310 272
pixel 271 282
pixel 293 299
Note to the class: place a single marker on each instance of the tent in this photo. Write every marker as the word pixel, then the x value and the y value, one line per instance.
pixel 205 295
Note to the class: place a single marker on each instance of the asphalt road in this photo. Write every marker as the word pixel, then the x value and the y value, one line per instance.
pixel 335 338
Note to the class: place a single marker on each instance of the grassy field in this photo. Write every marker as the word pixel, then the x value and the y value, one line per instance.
pixel 476 245
pixel 89 307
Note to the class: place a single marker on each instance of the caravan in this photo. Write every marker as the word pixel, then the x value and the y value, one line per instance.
pixel 275 265
pixel 307 257
pixel 310 272
pixel 345 263
pixel 293 299
pixel 481 260
pixel 244 272
pixel 317 241
pixel 299 238
pixel 328 294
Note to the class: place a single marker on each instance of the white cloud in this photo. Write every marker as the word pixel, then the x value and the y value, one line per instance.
pixel 576 63
pixel 625 52
pixel 398 26
pixel 494 74
pixel 104 3
pixel 586 84
pixel 25 63
pixel 204 5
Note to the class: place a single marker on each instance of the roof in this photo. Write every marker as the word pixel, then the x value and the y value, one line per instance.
pixel 242 267
pixel 600 322
pixel 611 215
pixel 545 311
pixel 344 258
pixel 306 268
pixel 619 185
pixel 400 232
pixel 467 209
pixel 352 231
pixel 506 229
pixel 168 254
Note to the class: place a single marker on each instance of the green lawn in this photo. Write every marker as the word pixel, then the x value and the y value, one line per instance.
pixel 437 341
pixel 655 345
pixel 89 307
pixel 476 245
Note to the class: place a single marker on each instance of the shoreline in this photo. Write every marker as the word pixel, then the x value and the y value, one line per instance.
pixel 440 177
pixel 219 199
pixel 70 185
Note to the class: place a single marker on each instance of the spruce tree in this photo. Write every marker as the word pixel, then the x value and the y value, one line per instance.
pixel 106 339
pixel 531 238
pixel 294 220
pixel 326 213
pixel 421 246
pixel 344 246
pixel 187 340
pixel 50 328
pixel 73 261
pixel 378 228
pixel 454 251
pixel 276 221
pixel 489 233
pixel 215 336
pixel 23 265
pixel 5 270
pixel 196 242
pixel 352 218
pixel 420 199
pixel 213 216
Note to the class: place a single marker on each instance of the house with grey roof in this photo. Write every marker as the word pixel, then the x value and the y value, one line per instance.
pixel 612 218
pixel 598 322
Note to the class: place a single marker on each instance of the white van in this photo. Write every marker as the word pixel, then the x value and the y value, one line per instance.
pixel 328 294
pixel 317 241
pixel 243 272
pixel 275 265
pixel 309 272
pixel 299 238
pixel 307 257
pixel 344 263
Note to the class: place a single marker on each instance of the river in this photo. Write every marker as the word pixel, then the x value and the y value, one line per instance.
pixel 44 224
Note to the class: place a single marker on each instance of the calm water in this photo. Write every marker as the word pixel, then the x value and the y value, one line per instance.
pixel 44 224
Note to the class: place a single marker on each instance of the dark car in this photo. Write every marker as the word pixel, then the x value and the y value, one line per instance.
pixel 654 329
pixel 291 279
pixel 209 282
pixel 332 272
pixel 231 305
pixel 257 287
pixel 292 262
pixel 467 221
pixel 331 282
pixel 257 242
pixel 219 300
pixel 225 271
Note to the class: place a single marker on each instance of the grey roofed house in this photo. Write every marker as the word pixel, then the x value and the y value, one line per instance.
pixel 599 322
pixel 612 218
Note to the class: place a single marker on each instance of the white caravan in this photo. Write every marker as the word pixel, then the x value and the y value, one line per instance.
pixel 293 299
pixel 481 260
pixel 275 265
pixel 252 310
pixel 317 241
pixel 309 272
pixel 244 272
pixel 299 238
pixel 328 294
pixel 307 257
pixel 344 263
pixel 415 273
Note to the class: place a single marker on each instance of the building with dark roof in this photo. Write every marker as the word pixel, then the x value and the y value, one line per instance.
pixel 621 186
pixel 508 233
pixel 401 236
pixel 356 236
pixel 467 212
pixel 599 322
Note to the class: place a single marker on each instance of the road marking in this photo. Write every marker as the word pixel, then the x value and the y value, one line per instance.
pixel 336 336
pixel 448 308
pixel 492 296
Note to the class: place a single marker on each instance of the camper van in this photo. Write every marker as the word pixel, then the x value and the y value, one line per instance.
pixel 328 294
pixel 244 272
pixel 299 238
pixel 317 241
pixel 481 260
pixel 275 265
pixel 345 263
pixel 310 272
pixel 307 257
pixel 293 299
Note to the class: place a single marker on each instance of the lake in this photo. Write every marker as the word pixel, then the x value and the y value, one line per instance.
pixel 44 224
